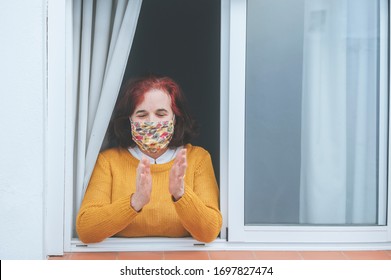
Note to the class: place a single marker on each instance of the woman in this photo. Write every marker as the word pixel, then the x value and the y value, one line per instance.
pixel 155 183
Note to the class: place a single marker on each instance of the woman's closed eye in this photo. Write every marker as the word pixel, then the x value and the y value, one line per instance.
pixel 161 113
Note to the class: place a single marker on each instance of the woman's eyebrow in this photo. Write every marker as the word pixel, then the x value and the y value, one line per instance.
pixel 161 110
pixel 140 111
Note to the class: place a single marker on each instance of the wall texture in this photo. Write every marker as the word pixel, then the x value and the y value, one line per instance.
pixel 22 126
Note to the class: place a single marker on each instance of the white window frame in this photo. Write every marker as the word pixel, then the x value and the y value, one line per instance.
pixel 59 162
pixel 238 232
pixel 60 191
pixel 55 136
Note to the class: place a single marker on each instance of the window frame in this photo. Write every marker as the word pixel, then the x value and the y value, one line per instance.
pixel 60 137
pixel 55 128
pixel 59 150
pixel 293 234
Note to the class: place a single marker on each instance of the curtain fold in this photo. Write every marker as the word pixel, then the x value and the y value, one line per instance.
pixel 339 112
pixel 103 33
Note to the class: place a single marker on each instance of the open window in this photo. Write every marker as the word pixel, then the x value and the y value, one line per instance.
pixel 179 39
pixel 208 47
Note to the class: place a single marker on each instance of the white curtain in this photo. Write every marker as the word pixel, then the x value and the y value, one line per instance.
pixel 103 32
pixel 339 112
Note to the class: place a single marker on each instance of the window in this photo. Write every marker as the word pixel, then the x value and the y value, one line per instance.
pixel 254 39
pixel 313 107
pixel 188 52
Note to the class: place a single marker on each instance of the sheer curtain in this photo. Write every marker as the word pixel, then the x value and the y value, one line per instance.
pixel 103 33
pixel 338 183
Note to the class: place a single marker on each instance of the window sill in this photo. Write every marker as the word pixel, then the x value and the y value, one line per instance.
pixel 230 255
pixel 190 244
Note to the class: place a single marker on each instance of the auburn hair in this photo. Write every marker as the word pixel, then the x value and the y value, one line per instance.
pixel 132 94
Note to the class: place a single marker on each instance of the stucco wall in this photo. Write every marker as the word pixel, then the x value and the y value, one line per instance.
pixel 22 126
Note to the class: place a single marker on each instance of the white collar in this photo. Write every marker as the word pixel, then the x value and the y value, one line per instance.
pixel 164 158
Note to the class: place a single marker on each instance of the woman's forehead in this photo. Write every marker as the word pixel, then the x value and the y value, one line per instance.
pixel 154 99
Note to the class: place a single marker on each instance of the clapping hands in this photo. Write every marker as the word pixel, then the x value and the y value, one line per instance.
pixel 176 185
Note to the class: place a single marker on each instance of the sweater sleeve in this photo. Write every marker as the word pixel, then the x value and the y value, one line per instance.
pixel 198 208
pixel 99 217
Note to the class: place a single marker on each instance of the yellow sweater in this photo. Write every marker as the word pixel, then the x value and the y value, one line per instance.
pixel 106 210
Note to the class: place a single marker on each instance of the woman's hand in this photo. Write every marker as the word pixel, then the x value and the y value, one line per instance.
pixel 143 185
pixel 177 175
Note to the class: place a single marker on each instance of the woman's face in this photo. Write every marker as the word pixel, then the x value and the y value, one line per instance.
pixel 156 106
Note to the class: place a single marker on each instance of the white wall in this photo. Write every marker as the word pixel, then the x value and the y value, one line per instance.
pixel 22 126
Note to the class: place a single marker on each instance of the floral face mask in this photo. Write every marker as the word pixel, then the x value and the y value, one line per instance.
pixel 152 137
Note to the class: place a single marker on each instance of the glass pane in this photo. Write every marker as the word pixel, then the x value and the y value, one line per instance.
pixel 312 118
